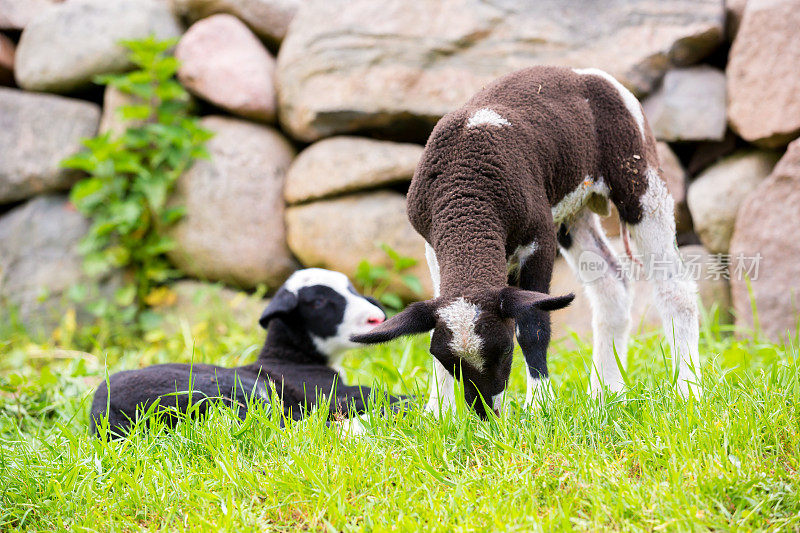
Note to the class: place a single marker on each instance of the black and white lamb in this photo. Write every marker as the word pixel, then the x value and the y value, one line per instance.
pixel 539 149
pixel 309 323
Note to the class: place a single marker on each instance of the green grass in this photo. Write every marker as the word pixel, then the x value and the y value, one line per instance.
pixel 653 462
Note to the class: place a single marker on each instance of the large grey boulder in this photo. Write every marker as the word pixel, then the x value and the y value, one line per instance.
pixel 66 46
pixel 349 65
pixel 224 63
pixel 233 230
pixel 347 164
pixel 689 105
pixel 16 14
pixel 339 233
pixel 766 248
pixel 763 85
pixel 37 131
pixel 715 196
pixel 39 260
pixel 269 19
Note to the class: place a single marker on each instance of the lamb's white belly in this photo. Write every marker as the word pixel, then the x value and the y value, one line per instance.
pixel 576 200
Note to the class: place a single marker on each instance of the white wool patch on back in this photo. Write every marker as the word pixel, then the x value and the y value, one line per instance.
pixel 630 101
pixel 487 116
pixel 460 317
pixel 572 203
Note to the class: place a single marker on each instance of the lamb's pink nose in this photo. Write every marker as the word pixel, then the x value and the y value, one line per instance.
pixel 374 321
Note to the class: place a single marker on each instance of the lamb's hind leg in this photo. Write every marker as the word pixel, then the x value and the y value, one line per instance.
pixel 585 247
pixel 675 293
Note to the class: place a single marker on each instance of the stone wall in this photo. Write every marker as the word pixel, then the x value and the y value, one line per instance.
pixel 320 108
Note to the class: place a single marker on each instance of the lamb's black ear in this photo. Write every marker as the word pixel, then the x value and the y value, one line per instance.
pixel 282 303
pixel 418 317
pixel 515 303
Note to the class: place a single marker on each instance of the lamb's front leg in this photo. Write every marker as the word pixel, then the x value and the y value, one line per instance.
pixel 442 394
pixel 533 331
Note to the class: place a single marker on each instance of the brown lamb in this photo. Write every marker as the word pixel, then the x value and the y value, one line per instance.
pixel 520 170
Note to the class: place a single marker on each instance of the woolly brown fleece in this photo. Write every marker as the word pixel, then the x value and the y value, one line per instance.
pixel 480 192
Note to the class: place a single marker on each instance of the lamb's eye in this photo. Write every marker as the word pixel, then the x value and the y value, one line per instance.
pixel 318 303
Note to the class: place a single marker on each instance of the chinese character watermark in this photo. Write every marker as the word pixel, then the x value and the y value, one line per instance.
pixel 715 267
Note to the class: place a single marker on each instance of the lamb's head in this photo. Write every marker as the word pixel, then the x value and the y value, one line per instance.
pixel 473 335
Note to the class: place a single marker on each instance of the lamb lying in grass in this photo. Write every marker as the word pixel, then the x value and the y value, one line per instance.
pixel 309 323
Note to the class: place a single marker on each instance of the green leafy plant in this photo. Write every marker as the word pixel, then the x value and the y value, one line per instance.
pixel 131 175
pixel 376 280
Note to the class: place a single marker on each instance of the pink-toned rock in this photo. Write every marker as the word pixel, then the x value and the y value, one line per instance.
pixel 763 85
pixel 385 64
pixel 7 49
pixel 689 105
pixel 234 230
pixel 346 164
pixel 767 225
pixel 15 14
pixel 269 19
pixel 715 196
pixel 37 131
pixel 224 63
pixel 339 233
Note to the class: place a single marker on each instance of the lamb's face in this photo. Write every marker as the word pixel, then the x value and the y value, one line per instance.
pixel 326 306
pixel 475 342
pixel 473 335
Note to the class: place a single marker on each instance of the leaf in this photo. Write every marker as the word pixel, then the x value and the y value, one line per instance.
pixel 155 190
pixel 172 214
pixel 388 250
pixel 412 282
pixel 161 297
pixel 84 189
pixel 80 161
pixel 125 296
pixel 404 263
pixel 96 264
pixel 392 300
pixel 134 111
pixel 118 256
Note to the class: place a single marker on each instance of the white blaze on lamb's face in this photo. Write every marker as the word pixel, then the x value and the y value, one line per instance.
pixel 486 116
pixel 631 103
pixel 460 318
